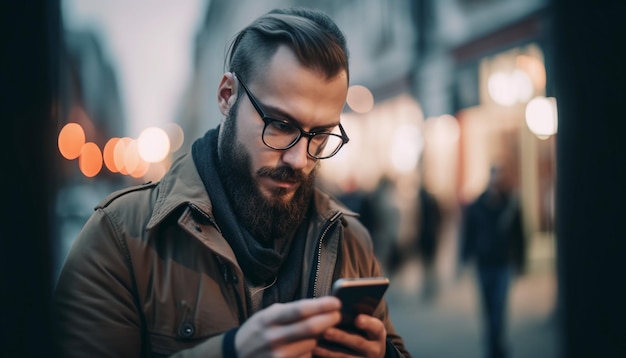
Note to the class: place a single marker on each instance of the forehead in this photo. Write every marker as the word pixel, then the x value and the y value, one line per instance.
pixel 284 64
pixel 304 93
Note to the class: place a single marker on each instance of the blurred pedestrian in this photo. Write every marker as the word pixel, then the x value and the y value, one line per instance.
pixel 352 195
pixel 427 241
pixel 493 235
pixel 381 216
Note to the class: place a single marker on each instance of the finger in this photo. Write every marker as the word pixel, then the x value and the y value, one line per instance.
pixel 370 342
pixel 336 341
pixel 329 348
pixel 311 327
pixel 303 348
pixel 372 326
pixel 285 313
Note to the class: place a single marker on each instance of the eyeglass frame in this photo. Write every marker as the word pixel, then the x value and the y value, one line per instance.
pixel 309 135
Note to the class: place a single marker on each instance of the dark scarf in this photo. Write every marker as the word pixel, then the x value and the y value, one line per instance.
pixel 261 265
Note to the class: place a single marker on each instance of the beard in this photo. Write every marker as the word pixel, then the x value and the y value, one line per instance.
pixel 266 218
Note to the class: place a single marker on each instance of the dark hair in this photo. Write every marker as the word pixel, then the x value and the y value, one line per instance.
pixel 310 34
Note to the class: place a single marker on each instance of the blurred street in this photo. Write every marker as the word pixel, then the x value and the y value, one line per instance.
pixel 450 325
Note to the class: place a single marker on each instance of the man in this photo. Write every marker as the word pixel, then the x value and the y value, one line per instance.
pixel 234 251
pixel 493 235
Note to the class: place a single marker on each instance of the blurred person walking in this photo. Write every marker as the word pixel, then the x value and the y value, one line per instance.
pixel 381 216
pixel 427 241
pixel 493 235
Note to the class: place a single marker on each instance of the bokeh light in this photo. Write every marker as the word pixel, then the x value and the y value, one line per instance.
pixel 119 154
pixel 90 160
pixel 176 135
pixel 131 156
pixel 153 144
pixel 542 116
pixel 108 155
pixel 523 85
pixel 141 169
pixel 506 89
pixel 360 99
pixel 71 140
pixel 406 148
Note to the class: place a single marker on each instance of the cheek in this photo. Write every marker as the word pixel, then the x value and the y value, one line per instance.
pixel 258 153
pixel 312 166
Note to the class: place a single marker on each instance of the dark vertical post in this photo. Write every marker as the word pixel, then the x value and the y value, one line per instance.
pixel 590 85
pixel 29 45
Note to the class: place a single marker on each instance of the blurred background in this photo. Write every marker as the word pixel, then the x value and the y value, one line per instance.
pixel 440 92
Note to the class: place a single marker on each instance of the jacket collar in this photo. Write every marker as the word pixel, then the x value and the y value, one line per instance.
pixel 182 186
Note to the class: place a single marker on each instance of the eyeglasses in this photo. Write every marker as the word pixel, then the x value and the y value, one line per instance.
pixel 282 135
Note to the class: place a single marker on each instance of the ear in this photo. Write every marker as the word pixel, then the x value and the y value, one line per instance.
pixel 227 93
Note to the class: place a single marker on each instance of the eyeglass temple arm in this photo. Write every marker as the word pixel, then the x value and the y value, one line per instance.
pixel 344 135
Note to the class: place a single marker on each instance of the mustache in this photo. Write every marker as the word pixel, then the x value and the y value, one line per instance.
pixel 282 174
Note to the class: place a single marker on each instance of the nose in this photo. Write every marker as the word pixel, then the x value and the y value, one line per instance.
pixel 297 156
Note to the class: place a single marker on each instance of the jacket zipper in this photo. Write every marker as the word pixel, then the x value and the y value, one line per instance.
pixel 319 250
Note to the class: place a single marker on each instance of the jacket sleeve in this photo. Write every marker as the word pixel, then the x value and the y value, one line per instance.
pixel 95 306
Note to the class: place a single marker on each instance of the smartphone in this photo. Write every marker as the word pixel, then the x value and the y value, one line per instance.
pixel 357 295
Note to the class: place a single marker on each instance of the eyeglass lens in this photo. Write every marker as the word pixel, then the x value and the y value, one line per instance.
pixel 282 135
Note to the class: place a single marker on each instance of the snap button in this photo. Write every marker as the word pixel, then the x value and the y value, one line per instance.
pixel 187 329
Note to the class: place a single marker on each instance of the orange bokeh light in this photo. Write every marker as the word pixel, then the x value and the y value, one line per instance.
pixel 141 169
pixel 90 160
pixel 71 140
pixel 108 154
pixel 119 154
pixel 131 156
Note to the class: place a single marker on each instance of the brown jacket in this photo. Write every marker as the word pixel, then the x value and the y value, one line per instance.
pixel 151 275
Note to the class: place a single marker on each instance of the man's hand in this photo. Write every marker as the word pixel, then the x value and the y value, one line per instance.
pixel 371 343
pixel 287 329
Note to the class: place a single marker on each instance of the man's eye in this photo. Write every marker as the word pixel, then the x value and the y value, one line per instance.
pixel 282 126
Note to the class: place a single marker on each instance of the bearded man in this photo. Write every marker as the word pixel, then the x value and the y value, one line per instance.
pixel 233 253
